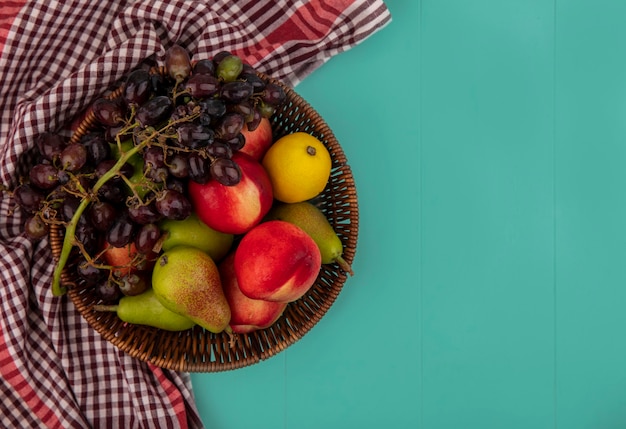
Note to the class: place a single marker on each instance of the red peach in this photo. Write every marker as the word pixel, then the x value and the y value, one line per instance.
pixel 124 260
pixel 276 261
pixel 234 209
pixel 247 315
pixel 259 140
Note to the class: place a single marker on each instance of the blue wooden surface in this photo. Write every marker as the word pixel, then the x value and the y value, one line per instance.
pixel 488 143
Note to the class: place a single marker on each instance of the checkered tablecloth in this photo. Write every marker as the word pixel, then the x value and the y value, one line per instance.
pixel 55 58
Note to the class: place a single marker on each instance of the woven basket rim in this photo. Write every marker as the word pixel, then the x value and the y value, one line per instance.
pixel 197 350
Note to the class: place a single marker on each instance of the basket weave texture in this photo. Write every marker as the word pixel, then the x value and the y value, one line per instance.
pixel 198 350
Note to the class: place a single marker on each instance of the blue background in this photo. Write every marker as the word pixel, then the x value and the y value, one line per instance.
pixel 488 143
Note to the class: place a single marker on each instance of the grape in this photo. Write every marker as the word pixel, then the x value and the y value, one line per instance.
pixel 159 84
pixel 50 145
pixel 89 273
pixel 133 284
pixel 214 107
pixel 178 165
pixel 265 109
pixel 153 157
pixel 244 108
pixel 112 192
pixel 217 58
pixel 138 88
pixel 144 213
pixel 147 238
pixel 258 84
pixel 122 231
pixel 63 177
pixel 229 68
pixel 98 149
pixel 202 85
pixel 253 123
pixel 273 94
pixel 205 119
pixel 110 133
pixel 229 125
pixel 108 291
pixel 226 171
pixel 107 112
pixel 204 66
pixel 177 63
pixel 247 68
pixel 156 174
pixel 236 91
pixel 177 185
pixel 73 157
pixel 220 150
pixel 35 228
pixel 28 198
pixel 44 176
pixel 87 235
pixel 154 111
pixel 237 142
pixel 102 215
pixel 173 205
pixel 69 206
pixel 199 168
pixel 194 135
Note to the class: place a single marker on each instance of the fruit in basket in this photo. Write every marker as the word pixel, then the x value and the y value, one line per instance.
pixel 234 209
pixel 298 166
pixel 311 219
pixel 125 260
pixel 146 309
pixel 259 140
pixel 178 63
pixel 276 261
pixel 195 233
pixel 143 143
pixel 247 314
pixel 186 281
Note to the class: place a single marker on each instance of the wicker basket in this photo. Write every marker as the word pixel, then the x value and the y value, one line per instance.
pixel 197 350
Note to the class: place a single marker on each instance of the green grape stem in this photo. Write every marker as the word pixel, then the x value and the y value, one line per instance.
pixel 70 228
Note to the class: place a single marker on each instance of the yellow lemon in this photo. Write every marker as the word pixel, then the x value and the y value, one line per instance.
pixel 298 166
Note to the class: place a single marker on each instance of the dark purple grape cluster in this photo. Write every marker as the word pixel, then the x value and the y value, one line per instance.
pixel 112 186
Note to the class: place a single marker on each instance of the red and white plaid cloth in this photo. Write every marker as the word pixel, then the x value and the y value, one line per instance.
pixel 55 58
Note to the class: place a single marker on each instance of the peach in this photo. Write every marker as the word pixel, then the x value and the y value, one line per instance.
pixel 125 260
pixel 247 315
pixel 276 261
pixel 259 140
pixel 234 209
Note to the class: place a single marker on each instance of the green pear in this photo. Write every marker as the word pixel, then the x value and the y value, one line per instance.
pixel 195 233
pixel 146 309
pixel 316 225
pixel 186 281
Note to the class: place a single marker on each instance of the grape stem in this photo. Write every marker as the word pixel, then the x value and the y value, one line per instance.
pixel 70 230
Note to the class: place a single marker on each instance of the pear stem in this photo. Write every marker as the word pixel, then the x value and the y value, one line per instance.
pixel 232 338
pixel 344 265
